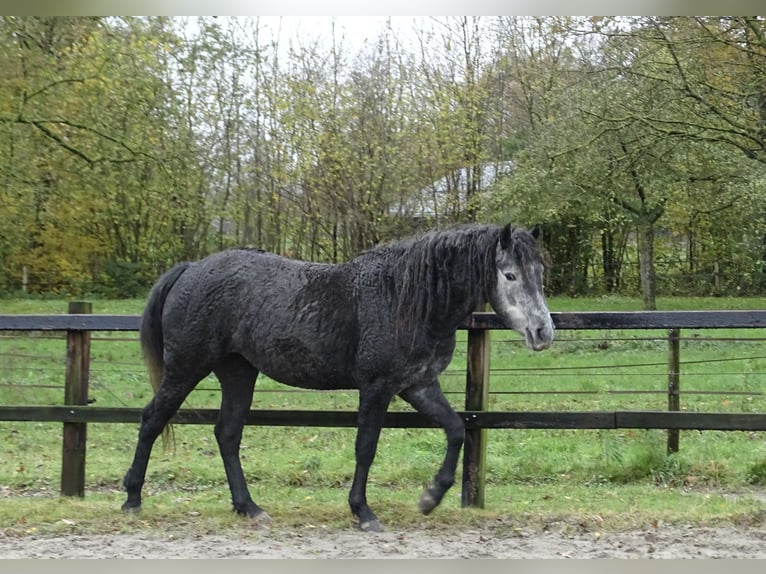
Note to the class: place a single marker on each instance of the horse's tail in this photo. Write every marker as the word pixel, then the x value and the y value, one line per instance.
pixel 152 340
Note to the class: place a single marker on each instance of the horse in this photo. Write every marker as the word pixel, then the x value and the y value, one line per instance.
pixel 382 323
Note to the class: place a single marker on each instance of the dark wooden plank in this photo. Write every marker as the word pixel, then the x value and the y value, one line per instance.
pixel 77 322
pixel 394 419
pixel 637 320
pixel 74 414
pixel 540 420
pixel 94 414
pixel 692 421
pixel 489 420
pixel 305 418
pixel 565 321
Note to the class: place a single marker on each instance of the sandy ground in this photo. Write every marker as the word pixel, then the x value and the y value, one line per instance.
pixel 662 542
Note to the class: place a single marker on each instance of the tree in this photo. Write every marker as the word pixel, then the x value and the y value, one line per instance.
pixel 714 66
pixel 704 81
pixel 459 100
pixel 127 144
pixel 88 114
pixel 602 166
pixel 540 80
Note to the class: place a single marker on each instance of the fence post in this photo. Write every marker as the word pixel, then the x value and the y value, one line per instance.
pixel 476 399
pixel 75 393
pixel 674 377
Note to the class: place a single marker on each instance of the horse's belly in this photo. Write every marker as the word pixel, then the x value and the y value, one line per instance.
pixel 293 364
pixel 314 348
pixel 315 380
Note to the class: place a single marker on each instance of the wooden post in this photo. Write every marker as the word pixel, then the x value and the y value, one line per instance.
pixel 476 399
pixel 674 377
pixel 75 393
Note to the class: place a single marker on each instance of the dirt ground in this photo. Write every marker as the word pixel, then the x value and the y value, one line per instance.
pixel 661 542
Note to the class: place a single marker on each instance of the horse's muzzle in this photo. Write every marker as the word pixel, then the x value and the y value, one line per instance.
pixel 540 338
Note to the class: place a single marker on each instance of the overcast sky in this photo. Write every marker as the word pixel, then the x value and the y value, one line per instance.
pixel 355 30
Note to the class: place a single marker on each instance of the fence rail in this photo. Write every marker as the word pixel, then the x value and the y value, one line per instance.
pixel 473 420
pixel 76 413
pixel 572 321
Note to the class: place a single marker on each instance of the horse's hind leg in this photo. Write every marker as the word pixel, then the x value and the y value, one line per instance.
pixel 430 400
pixel 237 377
pixel 170 395
pixel 373 404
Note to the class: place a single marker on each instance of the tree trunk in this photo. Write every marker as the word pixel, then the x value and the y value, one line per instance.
pixel 608 258
pixel 646 264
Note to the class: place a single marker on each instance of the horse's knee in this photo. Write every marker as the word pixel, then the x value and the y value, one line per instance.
pixel 456 435
pixel 153 422
pixel 228 436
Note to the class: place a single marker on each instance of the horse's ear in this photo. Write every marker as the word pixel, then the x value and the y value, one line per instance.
pixel 536 231
pixel 505 237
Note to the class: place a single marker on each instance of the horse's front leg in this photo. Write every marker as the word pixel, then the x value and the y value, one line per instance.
pixel 430 400
pixel 372 412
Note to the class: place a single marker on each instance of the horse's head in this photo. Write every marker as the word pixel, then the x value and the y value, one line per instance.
pixel 518 296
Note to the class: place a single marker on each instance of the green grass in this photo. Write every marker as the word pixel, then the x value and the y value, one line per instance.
pixel 58 306
pixel 205 511
pixel 608 479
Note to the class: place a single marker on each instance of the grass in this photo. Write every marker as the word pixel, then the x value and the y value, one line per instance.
pixel 602 479
pixel 205 512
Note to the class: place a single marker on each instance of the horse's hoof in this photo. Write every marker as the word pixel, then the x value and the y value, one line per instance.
pixel 371 526
pixel 427 503
pixel 262 520
pixel 131 508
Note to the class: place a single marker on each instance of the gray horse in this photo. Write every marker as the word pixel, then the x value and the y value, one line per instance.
pixel 383 323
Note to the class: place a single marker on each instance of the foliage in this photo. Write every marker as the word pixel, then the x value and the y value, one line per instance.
pixel 618 153
pixel 128 144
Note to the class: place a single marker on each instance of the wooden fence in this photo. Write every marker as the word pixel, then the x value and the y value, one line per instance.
pixel 76 413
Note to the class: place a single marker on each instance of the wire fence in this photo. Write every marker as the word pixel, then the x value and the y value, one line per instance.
pixel 581 383
pixel 26 370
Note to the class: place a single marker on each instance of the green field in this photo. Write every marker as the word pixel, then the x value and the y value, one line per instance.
pixel 615 478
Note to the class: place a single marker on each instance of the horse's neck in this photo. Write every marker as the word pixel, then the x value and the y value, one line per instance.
pixel 468 306
pixel 437 290
pixel 463 298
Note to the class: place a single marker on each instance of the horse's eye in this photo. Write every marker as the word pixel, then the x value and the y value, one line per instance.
pixel 510 276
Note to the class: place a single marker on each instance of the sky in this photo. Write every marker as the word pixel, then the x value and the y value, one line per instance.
pixel 351 32
pixel 422 7
pixel 355 30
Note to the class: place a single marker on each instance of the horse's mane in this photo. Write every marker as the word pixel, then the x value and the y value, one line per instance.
pixel 427 268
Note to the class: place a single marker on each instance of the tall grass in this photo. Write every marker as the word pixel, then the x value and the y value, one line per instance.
pixel 303 474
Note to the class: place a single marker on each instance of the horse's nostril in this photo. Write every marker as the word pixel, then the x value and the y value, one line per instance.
pixel 542 337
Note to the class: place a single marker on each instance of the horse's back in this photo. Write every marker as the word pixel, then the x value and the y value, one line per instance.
pixel 223 286
pixel 294 321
